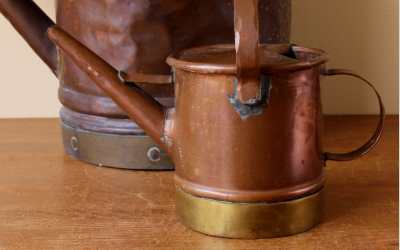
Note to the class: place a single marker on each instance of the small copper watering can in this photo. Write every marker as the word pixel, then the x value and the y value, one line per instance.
pixel 245 134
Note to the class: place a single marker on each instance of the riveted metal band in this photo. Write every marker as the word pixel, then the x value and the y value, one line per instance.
pixel 137 152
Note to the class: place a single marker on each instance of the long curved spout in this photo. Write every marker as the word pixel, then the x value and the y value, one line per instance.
pixel 141 107
pixel 32 23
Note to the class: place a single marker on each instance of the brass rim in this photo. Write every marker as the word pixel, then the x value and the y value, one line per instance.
pixel 249 220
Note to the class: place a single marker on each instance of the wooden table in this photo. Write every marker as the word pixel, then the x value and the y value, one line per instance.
pixel 49 201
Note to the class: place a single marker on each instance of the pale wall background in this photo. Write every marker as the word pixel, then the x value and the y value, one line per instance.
pixel 358 34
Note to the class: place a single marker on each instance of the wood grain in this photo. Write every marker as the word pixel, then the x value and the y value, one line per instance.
pixel 49 201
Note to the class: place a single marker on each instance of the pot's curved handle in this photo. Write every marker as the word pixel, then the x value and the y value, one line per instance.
pixel 364 149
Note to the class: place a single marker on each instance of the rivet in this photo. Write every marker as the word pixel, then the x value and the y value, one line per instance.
pixel 74 143
pixel 154 154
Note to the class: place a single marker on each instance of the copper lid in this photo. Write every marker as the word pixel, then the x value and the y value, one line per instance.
pixel 221 59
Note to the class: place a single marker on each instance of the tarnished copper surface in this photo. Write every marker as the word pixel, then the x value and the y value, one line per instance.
pixel 227 147
pixel 274 156
pixel 135 37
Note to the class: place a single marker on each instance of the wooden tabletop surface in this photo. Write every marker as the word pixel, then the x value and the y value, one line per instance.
pixel 49 201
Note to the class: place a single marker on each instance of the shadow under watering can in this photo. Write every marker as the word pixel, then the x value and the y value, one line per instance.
pixel 95 129
pixel 245 132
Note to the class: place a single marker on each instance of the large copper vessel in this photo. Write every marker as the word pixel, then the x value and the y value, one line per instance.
pixel 135 37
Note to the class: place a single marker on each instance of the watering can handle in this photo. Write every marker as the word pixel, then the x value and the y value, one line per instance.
pixel 247 40
pixel 364 149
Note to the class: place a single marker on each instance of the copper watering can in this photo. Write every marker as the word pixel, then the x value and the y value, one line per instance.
pixel 245 133
pixel 135 37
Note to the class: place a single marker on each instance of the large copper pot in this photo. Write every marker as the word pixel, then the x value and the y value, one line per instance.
pixel 135 37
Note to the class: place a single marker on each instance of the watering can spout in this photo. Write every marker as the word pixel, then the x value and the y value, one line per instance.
pixel 140 106
pixel 32 23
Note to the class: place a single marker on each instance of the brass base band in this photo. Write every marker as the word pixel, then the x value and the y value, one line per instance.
pixel 138 152
pixel 249 220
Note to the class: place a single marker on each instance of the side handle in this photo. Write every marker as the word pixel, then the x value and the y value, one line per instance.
pixel 371 143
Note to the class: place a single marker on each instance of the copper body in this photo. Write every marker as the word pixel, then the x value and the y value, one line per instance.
pixel 274 156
